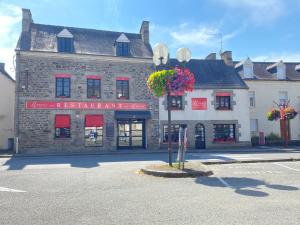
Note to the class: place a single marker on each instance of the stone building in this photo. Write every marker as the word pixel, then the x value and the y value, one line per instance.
pixel 216 112
pixel 83 89
pixel 7 102
pixel 271 82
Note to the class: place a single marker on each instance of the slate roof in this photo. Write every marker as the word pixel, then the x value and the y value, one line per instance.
pixel 2 71
pixel 86 41
pixel 261 71
pixel 213 74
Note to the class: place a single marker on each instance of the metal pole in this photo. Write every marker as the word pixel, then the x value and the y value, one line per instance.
pixel 169 129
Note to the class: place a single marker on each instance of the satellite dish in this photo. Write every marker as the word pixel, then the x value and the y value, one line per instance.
pixel 160 54
pixel 183 55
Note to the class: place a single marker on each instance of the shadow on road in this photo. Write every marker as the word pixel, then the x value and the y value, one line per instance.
pixel 243 185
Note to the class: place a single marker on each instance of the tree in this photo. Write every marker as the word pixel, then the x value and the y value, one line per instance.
pixel 164 82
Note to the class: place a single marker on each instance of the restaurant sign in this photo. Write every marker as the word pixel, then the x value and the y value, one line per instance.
pixel 199 103
pixel 86 105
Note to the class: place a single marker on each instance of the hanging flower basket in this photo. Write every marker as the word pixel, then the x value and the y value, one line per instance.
pixel 178 79
pixel 274 115
pixel 290 113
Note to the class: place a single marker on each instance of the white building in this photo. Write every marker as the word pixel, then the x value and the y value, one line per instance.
pixel 216 112
pixel 7 103
pixel 271 83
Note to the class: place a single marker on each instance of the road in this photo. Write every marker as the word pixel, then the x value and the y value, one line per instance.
pixel 108 190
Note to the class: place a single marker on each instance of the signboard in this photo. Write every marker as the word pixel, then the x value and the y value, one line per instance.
pixel 86 105
pixel 110 130
pixel 199 103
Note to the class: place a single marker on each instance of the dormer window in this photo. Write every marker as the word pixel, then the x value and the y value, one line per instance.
pixel 245 69
pixel 278 69
pixel 297 68
pixel 65 42
pixel 122 46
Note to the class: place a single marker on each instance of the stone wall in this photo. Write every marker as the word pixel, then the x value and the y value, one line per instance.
pixel 36 81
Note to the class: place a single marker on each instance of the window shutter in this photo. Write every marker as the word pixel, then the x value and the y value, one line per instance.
pixel 62 121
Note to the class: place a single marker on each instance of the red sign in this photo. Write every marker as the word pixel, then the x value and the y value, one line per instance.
pixel 86 105
pixel 199 103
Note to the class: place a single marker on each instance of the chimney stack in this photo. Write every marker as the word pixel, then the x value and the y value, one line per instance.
pixel 2 66
pixel 26 20
pixel 211 56
pixel 227 57
pixel 144 31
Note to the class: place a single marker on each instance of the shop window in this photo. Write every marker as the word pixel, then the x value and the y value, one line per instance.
pixel 93 88
pixel 223 103
pixel 174 133
pixel 122 48
pixel 93 130
pixel 252 98
pixel 122 89
pixel 176 102
pixel 254 126
pixel 62 126
pixel 65 44
pixel 63 87
pixel 224 132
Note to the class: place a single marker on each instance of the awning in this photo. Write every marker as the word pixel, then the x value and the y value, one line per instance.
pixel 132 114
pixel 223 94
pixel 62 121
pixel 93 120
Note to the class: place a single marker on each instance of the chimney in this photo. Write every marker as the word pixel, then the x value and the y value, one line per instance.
pixel 227 57
pixel 211 56
pixel 144 31
pixel 2 66
pixel 26 20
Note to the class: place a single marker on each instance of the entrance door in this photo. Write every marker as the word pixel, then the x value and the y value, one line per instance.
pixel 131 133
pixel 199 136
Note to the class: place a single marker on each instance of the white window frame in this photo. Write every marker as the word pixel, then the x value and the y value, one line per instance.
pixel 283 97
pixel 252 95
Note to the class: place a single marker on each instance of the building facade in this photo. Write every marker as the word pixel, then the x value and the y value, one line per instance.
pixel 7 102
pixel 271 83
pixel 83 90
pixel 216 112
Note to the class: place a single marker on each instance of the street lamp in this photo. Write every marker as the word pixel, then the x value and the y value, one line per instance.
pixel 160 57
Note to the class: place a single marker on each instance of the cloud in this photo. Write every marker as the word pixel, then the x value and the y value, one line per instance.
pixel 259 12
pixel 188 35
pixel 10 18
pixel 275 57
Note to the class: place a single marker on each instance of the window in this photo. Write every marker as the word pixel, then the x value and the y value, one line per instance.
pixel 65 44
pixel 174 133
pixel 283 97
pixel 122 89
pixel 248 72
pixel 223 103
pixel 93 130
pixel 62 126
pixel 224 132
pixel 63 87
pixel 253 126
pixel 252 98
pixel 122 48
pixel 93 88
pixel 176 102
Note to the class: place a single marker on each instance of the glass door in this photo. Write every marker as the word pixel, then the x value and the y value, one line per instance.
pixel 131 134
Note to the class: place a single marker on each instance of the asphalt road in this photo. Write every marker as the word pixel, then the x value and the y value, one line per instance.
pixel 107 190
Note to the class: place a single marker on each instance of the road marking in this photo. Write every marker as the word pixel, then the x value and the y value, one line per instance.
pixel 4 189
pixel 224 182
pixel 279 164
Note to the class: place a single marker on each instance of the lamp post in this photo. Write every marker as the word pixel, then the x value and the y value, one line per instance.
pixel 160 58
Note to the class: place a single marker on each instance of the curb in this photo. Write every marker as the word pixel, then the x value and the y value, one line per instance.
pixel 252 161
pixel 176 174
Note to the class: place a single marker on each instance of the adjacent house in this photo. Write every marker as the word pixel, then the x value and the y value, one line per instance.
pixel 83 89
pixel 216 112
pixel 271 83
pixel 7 102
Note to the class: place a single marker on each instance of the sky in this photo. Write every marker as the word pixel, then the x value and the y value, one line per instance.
pixel 264 30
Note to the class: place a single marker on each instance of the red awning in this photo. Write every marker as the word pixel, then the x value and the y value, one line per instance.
pixel 177 93
pixel 122 78
pixel 94 120
pixel 62 121
pixel 223 94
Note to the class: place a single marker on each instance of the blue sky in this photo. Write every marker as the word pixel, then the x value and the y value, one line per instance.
pixel 264 30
